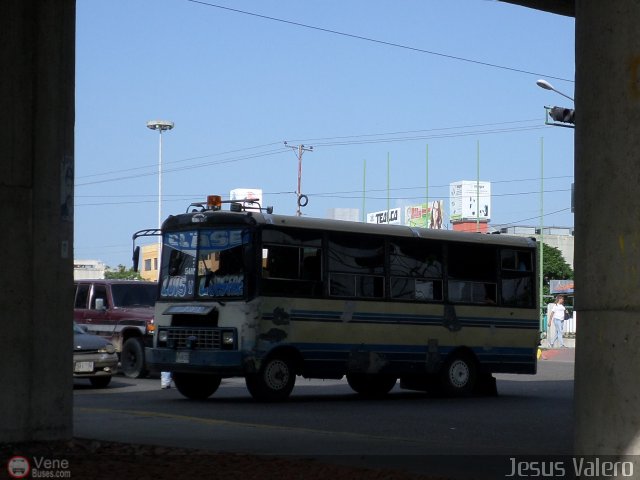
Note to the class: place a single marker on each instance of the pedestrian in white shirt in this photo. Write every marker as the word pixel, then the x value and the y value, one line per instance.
pixel 558 316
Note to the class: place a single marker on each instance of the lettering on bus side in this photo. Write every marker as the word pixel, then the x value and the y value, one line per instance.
pixel 223 286
pixel 176 287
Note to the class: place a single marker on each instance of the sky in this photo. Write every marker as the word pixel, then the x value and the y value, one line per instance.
pixel 381 89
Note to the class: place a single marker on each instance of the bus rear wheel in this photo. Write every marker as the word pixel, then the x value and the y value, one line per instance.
pixel 459 375
pixel 196 386
pixel 370 384
pixel 274 382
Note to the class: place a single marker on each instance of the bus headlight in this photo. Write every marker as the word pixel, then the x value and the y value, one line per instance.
pixel 227 338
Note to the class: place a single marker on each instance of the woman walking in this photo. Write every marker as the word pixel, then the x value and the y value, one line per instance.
pixel 558 316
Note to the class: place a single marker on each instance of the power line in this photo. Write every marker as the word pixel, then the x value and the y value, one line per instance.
pixel 430 137
pixel 181 160
pixel 430 186
pixel 154 166
pixel 439 129
pixel 191 197
pixel 530 218
pixel 381 42
pixel 189 167
pixel 323 195
pixel 341 195
pixel 327 144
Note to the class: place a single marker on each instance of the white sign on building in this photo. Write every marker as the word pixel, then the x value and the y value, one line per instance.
pixel 392 217
pixel 470 200
pixel 83 269
pixel 347 214
pixel 247 193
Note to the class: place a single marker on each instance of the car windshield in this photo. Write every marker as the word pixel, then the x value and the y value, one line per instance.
pixel 77 329
pixel 134 295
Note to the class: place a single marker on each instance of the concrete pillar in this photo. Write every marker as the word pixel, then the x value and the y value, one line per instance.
pixel 607 225
pixel 37 53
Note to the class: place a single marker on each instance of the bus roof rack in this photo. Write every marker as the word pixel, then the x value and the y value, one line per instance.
pixel 214 202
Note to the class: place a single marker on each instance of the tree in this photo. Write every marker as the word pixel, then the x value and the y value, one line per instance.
pixel 554 267
pixel 122 273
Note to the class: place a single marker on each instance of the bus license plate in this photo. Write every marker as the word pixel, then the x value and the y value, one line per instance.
pixel 83 367
pixel 182 357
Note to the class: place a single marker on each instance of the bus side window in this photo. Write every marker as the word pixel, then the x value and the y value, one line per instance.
pixel 517 285
pixel 473 273
pixel 415 269
pixel 292 271
pixel 312 265
pixel 283 262
pixel 356 265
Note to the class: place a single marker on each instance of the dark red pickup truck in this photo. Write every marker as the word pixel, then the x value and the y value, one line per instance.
pixel 122 312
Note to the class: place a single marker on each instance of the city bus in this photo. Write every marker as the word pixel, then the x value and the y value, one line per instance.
pixel 244 292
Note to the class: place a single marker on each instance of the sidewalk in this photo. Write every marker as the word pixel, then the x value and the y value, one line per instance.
pixel 545 352
pixel 568 342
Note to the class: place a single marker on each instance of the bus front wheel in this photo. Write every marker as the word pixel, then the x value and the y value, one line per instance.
pixel 371 385
pixel 274 382
pixel 459 375
pixel 196 386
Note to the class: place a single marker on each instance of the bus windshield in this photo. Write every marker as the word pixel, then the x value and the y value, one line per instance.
pixel 207 263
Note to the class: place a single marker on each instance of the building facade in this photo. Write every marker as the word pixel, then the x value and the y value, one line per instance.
pixel 149 261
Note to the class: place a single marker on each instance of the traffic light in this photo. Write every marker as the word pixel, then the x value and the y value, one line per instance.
pixel 564 115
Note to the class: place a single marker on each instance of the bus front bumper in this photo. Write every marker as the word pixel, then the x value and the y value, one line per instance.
pixel 224 363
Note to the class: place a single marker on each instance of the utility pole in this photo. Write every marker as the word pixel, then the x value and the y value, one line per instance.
pixel 299 197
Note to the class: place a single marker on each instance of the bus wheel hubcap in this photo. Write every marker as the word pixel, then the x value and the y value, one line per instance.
pixel 276 374
pixel 459 373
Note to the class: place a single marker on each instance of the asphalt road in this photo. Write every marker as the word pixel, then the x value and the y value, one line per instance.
pixel 532 415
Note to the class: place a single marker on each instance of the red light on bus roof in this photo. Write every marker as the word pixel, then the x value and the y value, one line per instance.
pixel 214 201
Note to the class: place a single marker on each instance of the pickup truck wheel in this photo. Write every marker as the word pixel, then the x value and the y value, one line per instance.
pixel 100 382
pixel 196 386
pixel 132 358
pixel 275 380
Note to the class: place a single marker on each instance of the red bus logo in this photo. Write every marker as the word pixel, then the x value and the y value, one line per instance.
pixel 18 467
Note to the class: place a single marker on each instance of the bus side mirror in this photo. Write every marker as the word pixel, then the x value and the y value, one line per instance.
pixel 136 258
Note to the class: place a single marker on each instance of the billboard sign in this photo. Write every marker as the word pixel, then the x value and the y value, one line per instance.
pixel 425 216
pixel 391 217
pixel 464 197
pixel 561 287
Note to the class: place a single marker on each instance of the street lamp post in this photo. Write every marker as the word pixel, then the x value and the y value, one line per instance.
pixel 160 126
pixel 547 86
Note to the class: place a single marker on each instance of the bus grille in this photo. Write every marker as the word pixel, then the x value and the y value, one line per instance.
pixel 205 338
